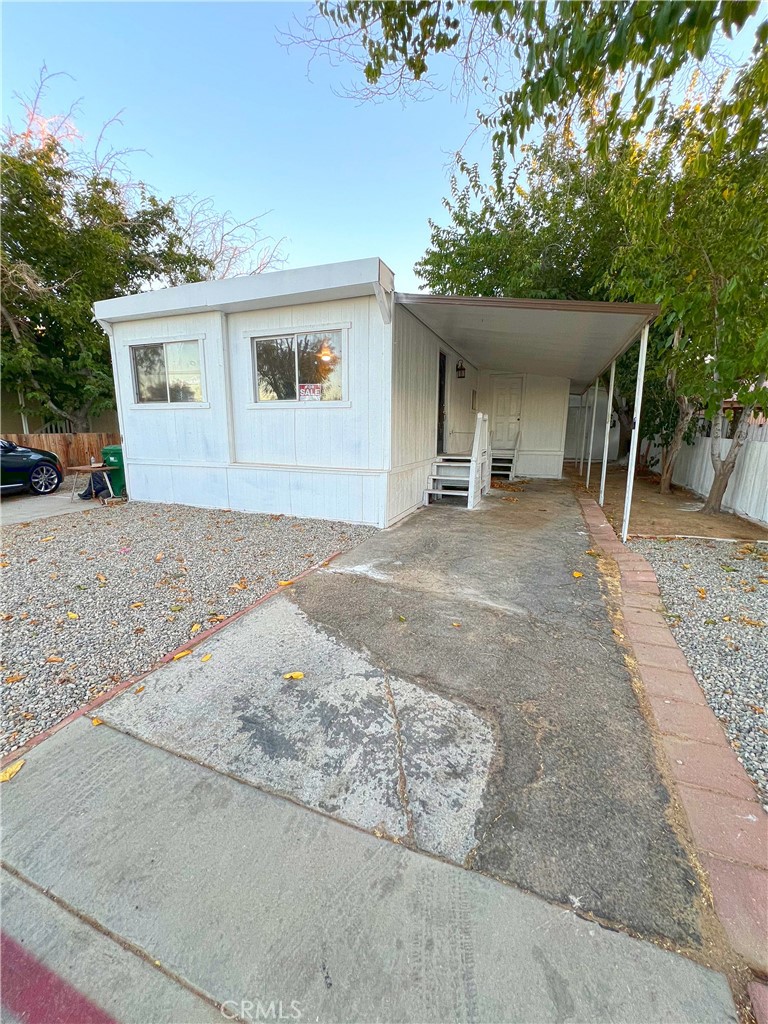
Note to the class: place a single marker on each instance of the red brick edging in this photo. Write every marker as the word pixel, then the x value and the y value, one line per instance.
pixel 126 684
pixel 727 821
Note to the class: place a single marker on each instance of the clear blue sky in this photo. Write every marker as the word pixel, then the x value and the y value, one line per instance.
pixel 223 110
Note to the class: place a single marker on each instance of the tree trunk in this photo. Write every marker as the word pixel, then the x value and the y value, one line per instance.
pixel 724 467
pixel 685 414
pixel 625 426
pixel 81 421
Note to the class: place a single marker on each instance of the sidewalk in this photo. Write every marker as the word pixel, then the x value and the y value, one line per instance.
pixel 224 895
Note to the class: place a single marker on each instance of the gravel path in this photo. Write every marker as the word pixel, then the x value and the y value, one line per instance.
pixel 92 599
pixel 716 596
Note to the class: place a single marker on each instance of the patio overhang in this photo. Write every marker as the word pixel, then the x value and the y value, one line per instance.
pixel 556 338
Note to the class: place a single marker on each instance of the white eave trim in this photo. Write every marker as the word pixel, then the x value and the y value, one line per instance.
pixel 349 280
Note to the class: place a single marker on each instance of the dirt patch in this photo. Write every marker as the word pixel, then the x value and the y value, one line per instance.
pixel 663 515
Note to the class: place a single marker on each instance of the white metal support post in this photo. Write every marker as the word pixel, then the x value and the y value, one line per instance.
pixel 592 431
pixel 584 406
pixel 608 415
pixel 635 433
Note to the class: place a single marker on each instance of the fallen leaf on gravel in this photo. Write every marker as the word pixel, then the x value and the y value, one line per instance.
pixel 72 615
pixel 101 577
pixel 123 551
pixel 275 518
pixel 577 575
pixel 140 689
pixel 591 553
pixel 7 773
pixel 402 618
pixel 456 625
pixel 757 709
pixel 27 714
pixel 686 565
pixel 137 604
pixel 509 499
pixel 284 583
pixel 181 654
pixel 6 618
pixel 216 618
pixel 206 657
pixel 177 607
pixel 762 579
pixel 702 592
pixel 293 675
pixel 54 659
pixel 44 540
pixel 242 584
pixel 139 630
pixel 196 628
pixel 159 556
pixel 751 622
pixel 4 565
pixel 726 618
pixel 97 721
pixel 727 568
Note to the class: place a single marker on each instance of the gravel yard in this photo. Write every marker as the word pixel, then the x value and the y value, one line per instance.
pixel 716 597
pixel 92 599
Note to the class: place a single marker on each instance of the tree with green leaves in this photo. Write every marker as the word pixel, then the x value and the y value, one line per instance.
pixel 601 62
pixel 69 239
pixel 693 197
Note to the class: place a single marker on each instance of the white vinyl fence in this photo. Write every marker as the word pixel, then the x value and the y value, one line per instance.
pixel 747 492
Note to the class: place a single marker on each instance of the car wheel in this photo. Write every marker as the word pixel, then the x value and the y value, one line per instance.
pixel 44 479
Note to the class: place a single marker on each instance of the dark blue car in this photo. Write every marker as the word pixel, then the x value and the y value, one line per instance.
pixel 28 469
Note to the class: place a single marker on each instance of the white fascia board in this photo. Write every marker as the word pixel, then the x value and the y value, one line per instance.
pixel 348 280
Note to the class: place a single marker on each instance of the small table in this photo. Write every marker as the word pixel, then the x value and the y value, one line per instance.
pixel 90 470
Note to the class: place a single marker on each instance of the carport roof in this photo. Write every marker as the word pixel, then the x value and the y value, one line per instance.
pixel 557 338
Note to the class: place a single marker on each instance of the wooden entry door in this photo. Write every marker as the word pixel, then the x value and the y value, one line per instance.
pixel 507 392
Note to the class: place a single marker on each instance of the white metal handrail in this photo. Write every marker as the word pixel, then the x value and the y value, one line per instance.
pixel 480 462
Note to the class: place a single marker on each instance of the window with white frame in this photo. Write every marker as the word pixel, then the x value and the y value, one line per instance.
pixel 298 367
pixel 168 371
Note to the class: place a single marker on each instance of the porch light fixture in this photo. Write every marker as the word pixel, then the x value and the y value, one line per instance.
pixel 460 371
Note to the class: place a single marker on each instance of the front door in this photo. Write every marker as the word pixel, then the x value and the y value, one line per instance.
pixel 507 401
pixel 441 405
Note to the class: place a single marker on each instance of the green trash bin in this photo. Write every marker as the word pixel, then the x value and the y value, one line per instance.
pixel 112 455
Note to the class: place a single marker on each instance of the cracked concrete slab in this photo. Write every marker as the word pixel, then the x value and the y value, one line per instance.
pixel 350 738
pixel 575 808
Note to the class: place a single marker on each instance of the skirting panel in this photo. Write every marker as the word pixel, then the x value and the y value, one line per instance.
pixel 349 497
pixel 545 465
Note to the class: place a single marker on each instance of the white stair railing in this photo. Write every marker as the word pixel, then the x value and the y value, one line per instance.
pixel 480 462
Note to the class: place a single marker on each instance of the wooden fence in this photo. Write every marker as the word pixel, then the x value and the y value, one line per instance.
pixel 72 449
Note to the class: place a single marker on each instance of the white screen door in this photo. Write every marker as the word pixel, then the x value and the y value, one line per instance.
pixel 507 400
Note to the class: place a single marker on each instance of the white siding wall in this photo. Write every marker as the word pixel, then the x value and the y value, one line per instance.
pixel 543 418
pixel 415 363
pixel 747 492
pixel 327 463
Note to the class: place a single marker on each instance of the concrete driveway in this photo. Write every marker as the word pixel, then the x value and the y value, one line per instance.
pixel 461 694
pixel 28 508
